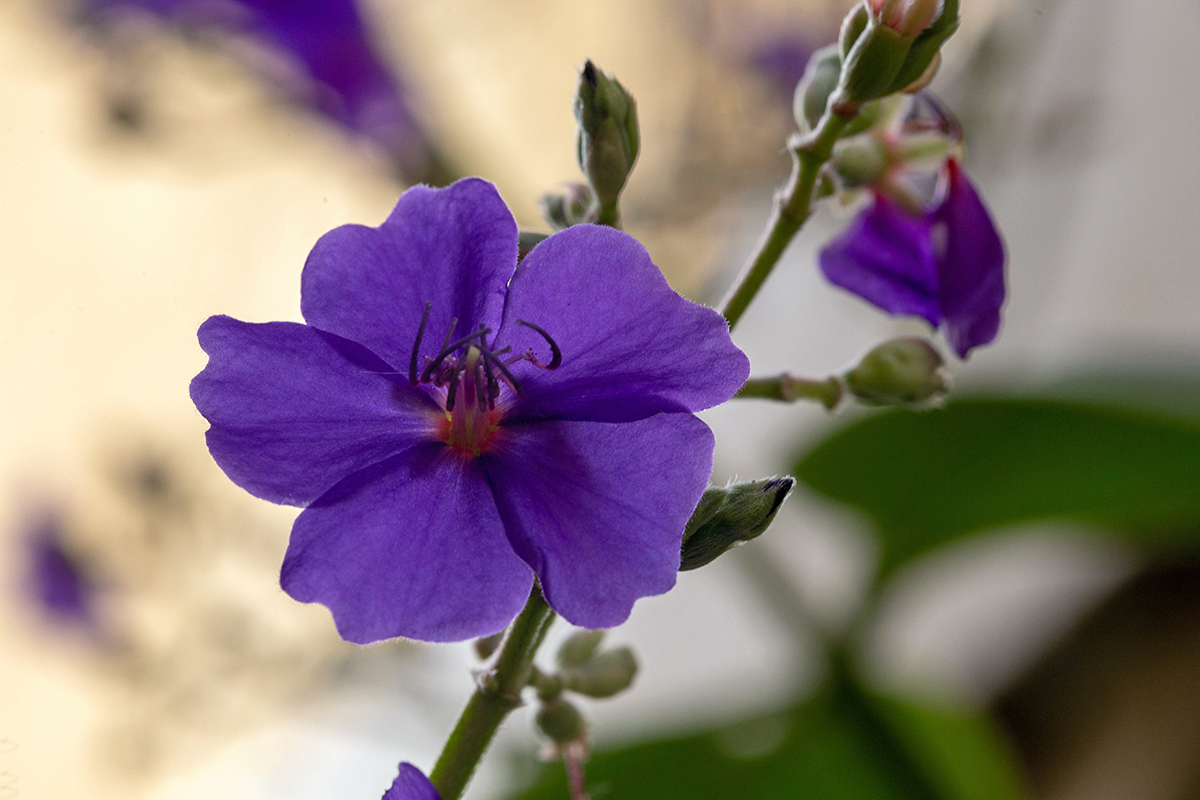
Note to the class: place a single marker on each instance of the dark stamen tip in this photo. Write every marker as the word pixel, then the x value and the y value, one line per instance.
pixel 555 352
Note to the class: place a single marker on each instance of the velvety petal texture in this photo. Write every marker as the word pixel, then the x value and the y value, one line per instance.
pixel 454 248
pixel 631 346
pixel 434 493
pixel 411 784
pixel 945 265
pixel 598 509
pixel 294 410
pixel 411 547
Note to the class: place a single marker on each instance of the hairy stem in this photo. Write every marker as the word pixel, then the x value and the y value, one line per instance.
pixel 787 388
pixel 793 206
pixel 498 692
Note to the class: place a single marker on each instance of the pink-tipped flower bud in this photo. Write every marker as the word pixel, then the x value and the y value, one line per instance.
pixel 906 17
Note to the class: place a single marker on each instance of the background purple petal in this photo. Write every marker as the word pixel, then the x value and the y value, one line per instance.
pixel 294 410
pixel 455 247
pixel 411 547
pixel 598 509
pixel 55 578
pixel 970 266
pixel 885 256
pixel 411 784
pixel 631 345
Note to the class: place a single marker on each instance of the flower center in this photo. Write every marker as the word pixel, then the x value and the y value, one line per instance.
pixel 474 375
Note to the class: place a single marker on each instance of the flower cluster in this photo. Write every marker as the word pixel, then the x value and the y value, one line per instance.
pixel 453 427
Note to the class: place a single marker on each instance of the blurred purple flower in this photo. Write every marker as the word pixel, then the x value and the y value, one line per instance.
pixel 411 784
pixel 548 433
pixel 327 40
pixel 946 265
pixel 55 579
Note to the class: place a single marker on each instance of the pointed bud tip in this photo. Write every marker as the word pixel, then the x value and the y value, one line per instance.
pixel 728 516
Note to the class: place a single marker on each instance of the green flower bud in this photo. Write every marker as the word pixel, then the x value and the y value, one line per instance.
pixel 871 66
pixel 729 516
pixel 926 47
pixel 602 675
pixel 852 28
pixel 561 721
pixel 904 371
pixel 578 648
pixel 485 647
pixel 896 48
pixel 860 161
pixel 812 92
pixel 907 17
pixel 574 206
pixel 607 138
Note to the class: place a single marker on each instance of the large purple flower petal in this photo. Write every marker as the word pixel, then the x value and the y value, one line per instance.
pixel 970 259
pixel 411 784
pixel 410 547
pixel 598 509
pixel 454 248
pixel 294 410
pixel 631 347
pixel 885 256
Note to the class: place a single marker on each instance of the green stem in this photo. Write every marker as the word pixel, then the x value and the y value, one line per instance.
pixel 608 215
pixel 497 693
pixel 793 206
pixel 788 388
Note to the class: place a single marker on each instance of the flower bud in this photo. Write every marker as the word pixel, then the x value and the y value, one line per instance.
pixel 578 648
pixel 902 371
pixel 852 28
pixel 561 721
pixel 729 516
pixel 486 646
pixel 812 92
pixel 573 207
pixel 895 48
pixel 602 675
pixel 906 17
pixel 607 137
pixel 860 161
pixel 923 56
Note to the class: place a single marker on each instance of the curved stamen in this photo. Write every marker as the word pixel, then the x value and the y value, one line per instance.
pixel 412 361
pixel 555 353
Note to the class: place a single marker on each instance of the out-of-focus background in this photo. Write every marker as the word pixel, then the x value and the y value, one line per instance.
pixel 160 165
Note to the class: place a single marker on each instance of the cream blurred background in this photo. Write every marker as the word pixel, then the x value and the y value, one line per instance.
pixel 115 246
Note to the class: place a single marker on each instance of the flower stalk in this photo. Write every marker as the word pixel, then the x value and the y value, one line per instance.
pixel 497 693
pixel 788 388
pixel 793 207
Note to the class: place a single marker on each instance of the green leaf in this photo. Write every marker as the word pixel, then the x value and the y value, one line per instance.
pixel 928 478
pixel 841 745
pixel 963 753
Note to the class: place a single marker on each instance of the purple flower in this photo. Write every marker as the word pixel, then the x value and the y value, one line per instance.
pixel 411 784
pixel 329 43
pixel 946 265
pixel 454 427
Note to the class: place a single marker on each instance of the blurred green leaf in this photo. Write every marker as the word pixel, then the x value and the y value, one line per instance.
pixel 928 478
pixel 840 745
pixel 963 753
